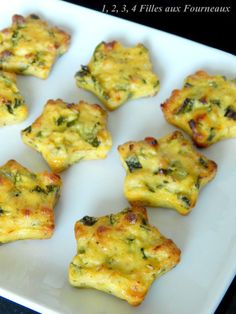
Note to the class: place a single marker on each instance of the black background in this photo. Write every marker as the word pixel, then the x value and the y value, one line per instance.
pixel 212 29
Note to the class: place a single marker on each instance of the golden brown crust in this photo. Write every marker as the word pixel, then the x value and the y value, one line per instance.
pixel 116 74
pixel 67 133
pixel 205 108
pixel 165 173
pixel 121 254
pixel 26 203
pixel 30 46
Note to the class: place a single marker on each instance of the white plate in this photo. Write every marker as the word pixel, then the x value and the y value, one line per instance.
pixel 34 273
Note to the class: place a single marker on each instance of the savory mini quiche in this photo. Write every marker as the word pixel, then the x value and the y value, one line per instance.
pixel 121 254
pixel 205 108
pixel 116 74
pixel 26 203
pixel 165 172
pixel 12 105
pixel 30 46
pixel 66 133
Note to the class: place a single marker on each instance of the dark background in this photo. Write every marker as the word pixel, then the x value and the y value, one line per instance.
pixel 212 29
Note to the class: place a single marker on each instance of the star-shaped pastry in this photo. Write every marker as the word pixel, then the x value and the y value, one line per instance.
pixel 121 254
pixel 116 74
pixel 165 172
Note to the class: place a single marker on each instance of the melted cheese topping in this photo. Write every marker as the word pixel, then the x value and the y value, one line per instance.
pixel 26 203
pixel 12 105
pixel 165 173
pixel 205 108
pixel 116 74
pixel 121 254
pixel 66 133
pixel 30 46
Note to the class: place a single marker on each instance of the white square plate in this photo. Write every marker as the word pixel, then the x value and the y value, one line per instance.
pixel 34 273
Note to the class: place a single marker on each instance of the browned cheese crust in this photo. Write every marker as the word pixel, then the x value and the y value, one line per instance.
pixel 66 133
pixel 166 172
pixel 27 201
pixel 116 74
pixel 205 108
pixel 30 46
pixel 121 254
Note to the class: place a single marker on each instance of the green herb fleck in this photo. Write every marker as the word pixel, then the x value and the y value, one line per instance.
pixel 126 210
pixel 150 188
pixel 110 261
pixel 215 102
pixel 51 188
pixel 1 211
pixel 198 182
pixel 212 134
pixel 15 37
pixel 34 17
pixel 60 120
pixel 188 85
pixel 133 163
pixel 143 253
pixel 184 199
pixel 39 134
pixel 7 81
pixel 178 170
pixel 18 103
pixel 83 72
pixel 180 174
pixel 88 221
pixel 38 189
pixel 77 267
pixel 230 113
pixel 157 83
pixel 106 96
pixel 186 106
pixel 145 227
pixel 112 219
pixel 28 129
pixel 35 59
pixel 71 123
pixel 17 177
pixel 203 162
pixel 9 109
pixel 130 240
pixel 16 193
pixel 94 142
